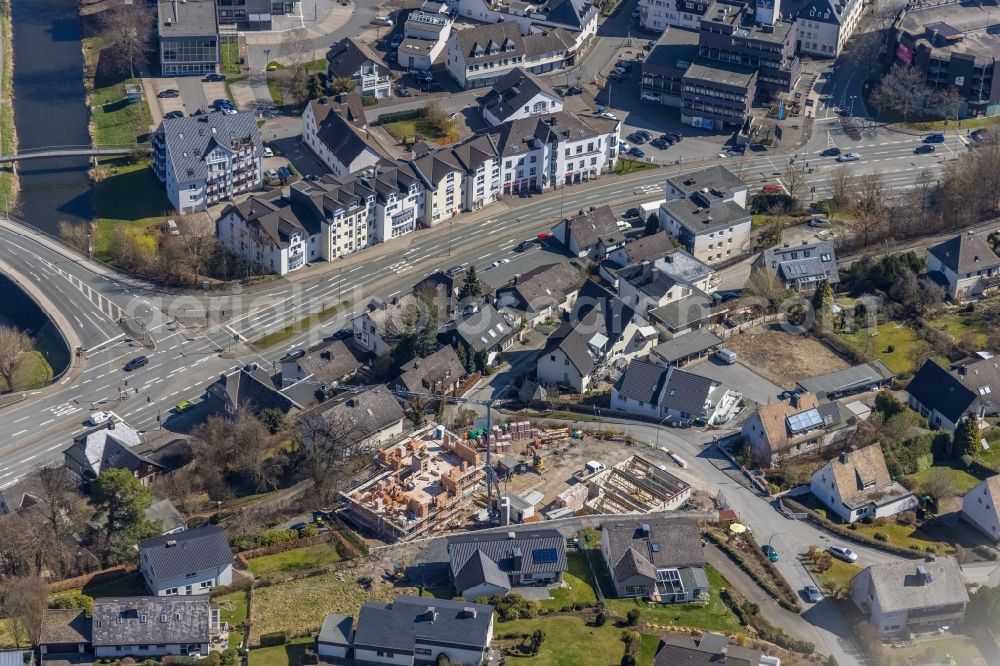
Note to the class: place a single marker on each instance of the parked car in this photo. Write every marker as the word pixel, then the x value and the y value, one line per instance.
pixel 271 174
pixel 633 212
pixel 215 77
pixel 923 149
pixel 544 236
pixel 843 553
pixel 644 134
pixel 934 138
pixel 169 92
pixel 135 363
pixel 174 114
pixel 423 77
pixel 812 594
pixel 849 157
pixel 623 147
pixel 648 46
pixel 771 188
pixel 343 334
pixel 455 270
pixel 832 151
pixel 284 173
pixel 771 553
pixel 97 418
pixel 635 137
pixel 268 152
pixel 650 97
pixel 637 152
pixel 574 90
pixel 819 222
pixel 298 527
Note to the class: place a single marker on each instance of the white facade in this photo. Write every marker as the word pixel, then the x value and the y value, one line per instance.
pixel 979 507
pixel 398 214
pixel 822 31
pixel 195 582
pixel 140 651
pixel 245 241
pixel 339 165
pixel 656 15
pixel 963 287
pixel 823 486
pixel 541 104
pixel 708 246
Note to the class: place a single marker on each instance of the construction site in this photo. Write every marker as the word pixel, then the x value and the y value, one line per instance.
pixel 635 486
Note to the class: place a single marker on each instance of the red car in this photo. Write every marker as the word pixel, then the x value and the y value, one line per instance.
pixel 545 234
pixel 772 189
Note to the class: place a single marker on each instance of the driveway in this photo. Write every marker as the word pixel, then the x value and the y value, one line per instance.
pixel 292 150
pixel 739 377
pixel 193 93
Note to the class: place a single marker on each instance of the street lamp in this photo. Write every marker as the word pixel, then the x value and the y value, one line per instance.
pixel 658 426
pixel 851 112
pixel 267 58
pixel 772 537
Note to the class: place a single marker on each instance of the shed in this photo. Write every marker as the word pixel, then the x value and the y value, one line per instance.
pixel 133 92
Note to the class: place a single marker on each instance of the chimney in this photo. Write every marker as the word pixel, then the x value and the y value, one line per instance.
pixel 432 613
pixel 644 530
pixel 171 543
pixel 469 611
pixel 843 457
pixel 795 399
pixel 511 536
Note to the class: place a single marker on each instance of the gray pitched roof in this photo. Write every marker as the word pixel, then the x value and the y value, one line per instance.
pixel 189 140
pixel 574 340
pixel 715 177
pixel 809 263
pixel 65 625
pixel 399 624
pixel 687 311
pixel 900 587
pixel 486 36
pixel 512 91
pixel 499 549
pixel 273 218
pixel 185 552
pixel 151 620
pixel 110 446
pixel 682 346
pixel 328 361
pixel 631 564
pixel 847 379
pixel 571 13
pixel 545 286
pixel 168 515
pixel 344 139
pixel 346 57
pixel 708 650
pixel 966 253
pixel 251 387
pixel 589 226
pixel 677 541
pixel 642 381
pixel 336 629
pixel 422 374
pixel 367 412
pixel 699 219
pixel 484 329
pixel 649 248
pixel 686 392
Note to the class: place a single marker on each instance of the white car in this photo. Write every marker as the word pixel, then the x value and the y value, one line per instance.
pixel 499 262
pixel 609 115
pixel 650 97
pixel 849 157
pixel 842 553
pixel 271 174
pixel 623 147
pixel 97 418
pixel 268 152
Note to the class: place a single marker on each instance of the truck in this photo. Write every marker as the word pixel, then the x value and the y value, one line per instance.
pixel 727 356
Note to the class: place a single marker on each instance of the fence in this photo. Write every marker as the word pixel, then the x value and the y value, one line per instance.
pixel 86 579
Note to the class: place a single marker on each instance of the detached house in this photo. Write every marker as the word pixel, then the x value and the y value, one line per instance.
pixel 110 446
pixel 191 562
pixel 206 159
pixel 441 373
pixel 660 559
pixel 518 95
pixel 350 59
pixel 801 267
pixel 485 330
pixel 706 212
pixel 856 484
pixel 543 292
pixel 373 417
pixel 583 234
pixel 486 564
pixel 965 265
pixel 794 427
pixel 143 627
pixel 907 597
pixel 379 327
pixel 650 390
pixel 981 507
pixel 945 396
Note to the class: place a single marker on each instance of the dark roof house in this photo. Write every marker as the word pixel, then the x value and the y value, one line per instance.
pixel 706 650
pixel 347 57
pixel 659 558
pixel 134 621
pixel 172 555
pixel 414 623
pixel 496 562
pixel 442 371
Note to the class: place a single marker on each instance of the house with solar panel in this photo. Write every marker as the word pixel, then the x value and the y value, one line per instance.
pixel 795 426
pixel 484 564
pixel 657 558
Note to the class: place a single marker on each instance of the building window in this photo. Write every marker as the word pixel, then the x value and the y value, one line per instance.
pixel 635 590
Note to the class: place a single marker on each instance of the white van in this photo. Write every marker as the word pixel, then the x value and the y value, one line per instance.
pixel 623 225
pixel 594 466
pixel 727 356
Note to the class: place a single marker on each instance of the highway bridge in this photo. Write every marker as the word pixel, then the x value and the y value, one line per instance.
pixel 50 152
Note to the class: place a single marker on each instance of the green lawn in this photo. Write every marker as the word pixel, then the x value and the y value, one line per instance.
pixel 404 131
pixel 289 654
pixel 132 195
pixel 960 648
pixel 959 480
pixel 113 121
pixel 33 371
pixel 8 133
pixel 713 616
pixel 838 576
pixel 625 165
pixel 958 324
pixel 293 329
pixel 580 582
pixel 570 642
pixel 900 535
pixel 129 585
pixel 6 640
pixel 234 609
pixel 297 559
pixel 229 52
pixel 876 342
pixel 274 87
pixel 968 124
pixel 316 65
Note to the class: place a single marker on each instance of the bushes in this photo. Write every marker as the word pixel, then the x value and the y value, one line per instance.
pixel 774 584
pixel 263 539
pixel 513 606
pixel 849 531
pixel 749 615
pixel 396 116
pixel 986 552
pixel 632 617
pixel 73 599
pixel 273 639
pixel 881 536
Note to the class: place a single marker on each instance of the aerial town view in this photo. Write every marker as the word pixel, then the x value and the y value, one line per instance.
pixel 500 332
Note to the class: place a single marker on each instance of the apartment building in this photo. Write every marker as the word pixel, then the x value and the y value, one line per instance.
pixel 206 159
pixel 518 95
pixel 658 15
pixel 824 26
pixel 443 178
pixel 336 131
pixel 479 56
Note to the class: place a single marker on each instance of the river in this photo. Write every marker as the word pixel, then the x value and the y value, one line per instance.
pixel 50 110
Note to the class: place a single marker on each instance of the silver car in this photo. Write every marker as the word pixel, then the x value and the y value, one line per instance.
pixel 842 553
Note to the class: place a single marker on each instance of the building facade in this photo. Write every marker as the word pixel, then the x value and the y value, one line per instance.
pixel 189 37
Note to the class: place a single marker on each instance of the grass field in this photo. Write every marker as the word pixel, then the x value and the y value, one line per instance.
pixel 113 121
pixel 34 371
pixel 580 582
pixel 959 480
pixel 131 196
pixel 299 605
pixel 570 642
pixel 901 535
pixel 289 654
pixel 293 329
pixel 960 648
pixel 316 65
pixel 229 53
pixel 8 132
pixel 290 561
pixel 626 165
pixel 960 324
pixel 274 87
pixel 234 607
pixel 877 342
pixel 404 131
pixel 6 640
pixel 837 577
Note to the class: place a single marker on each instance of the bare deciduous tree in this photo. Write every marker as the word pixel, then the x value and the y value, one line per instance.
pixel 24 601
pixel 128 36
pixel 14 344
pixel 330 452
pixel 794 177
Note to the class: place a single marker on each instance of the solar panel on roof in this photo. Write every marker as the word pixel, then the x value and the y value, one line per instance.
pixel 804 420
pixel 544 555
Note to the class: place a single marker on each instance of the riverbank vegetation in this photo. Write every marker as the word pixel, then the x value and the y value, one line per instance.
pixel 8 132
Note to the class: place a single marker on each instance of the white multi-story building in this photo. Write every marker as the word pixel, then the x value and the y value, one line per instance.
pixel 519 95
pixel 824 26
pixel 444 181
pixel 350 59
pixel 336 131
pixel 578 17
pixel 266 233
pixel 479 56
pixel 206 159
pixel 657 15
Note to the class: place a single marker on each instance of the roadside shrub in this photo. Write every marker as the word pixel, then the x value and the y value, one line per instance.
pixel 309 531
pixel 914 546
pixel 909 518
pixel 273 639
pixel 513 606
pixel 632 617
pixel 821 513
pixel 230 657
pixel 601 619
pixel 882 521
pixel 882 536
pixel 929 549
pixel 853 527
pixel 967 461
pixel 909 483
pixel 986 552
pixel 211 659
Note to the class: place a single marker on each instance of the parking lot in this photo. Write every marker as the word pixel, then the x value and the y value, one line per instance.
pixel 193 94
